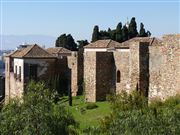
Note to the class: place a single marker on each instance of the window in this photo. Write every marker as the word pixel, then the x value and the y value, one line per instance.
pixel 11 66
pixel 19 76
pixel 33 72
pixel 15 72
pixel 118 76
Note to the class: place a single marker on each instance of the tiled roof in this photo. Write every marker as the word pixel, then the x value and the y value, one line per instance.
pixel 58 50
pixel 153 41
pixel 33 51
pixel 108 43
pixel 113 44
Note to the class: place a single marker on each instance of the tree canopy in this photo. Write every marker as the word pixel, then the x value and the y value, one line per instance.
pixel 121 33
pixel 66 41
pixel 95 34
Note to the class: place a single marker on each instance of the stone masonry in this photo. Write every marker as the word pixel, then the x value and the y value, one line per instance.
pixel 148 65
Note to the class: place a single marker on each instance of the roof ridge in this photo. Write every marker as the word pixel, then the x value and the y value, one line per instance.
pixel 60 49
pixel 109 42
pixel 28 50
pixel 43 49
pixel 152 40
pixel 35 45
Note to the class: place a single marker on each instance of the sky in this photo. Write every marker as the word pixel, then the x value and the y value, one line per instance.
pixel 78 17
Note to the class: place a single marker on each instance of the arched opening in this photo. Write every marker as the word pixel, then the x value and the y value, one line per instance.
pixel 118 76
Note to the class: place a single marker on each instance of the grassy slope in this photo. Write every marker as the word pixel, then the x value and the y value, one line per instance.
pixel 86 117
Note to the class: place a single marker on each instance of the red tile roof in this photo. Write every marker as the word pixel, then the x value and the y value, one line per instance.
pixel 33 51
pixel 58 50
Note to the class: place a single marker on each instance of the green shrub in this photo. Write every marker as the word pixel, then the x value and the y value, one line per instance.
pixel 125 101
pixel 91 106
pixel 131 115
pixel 82 110
pixel 36 113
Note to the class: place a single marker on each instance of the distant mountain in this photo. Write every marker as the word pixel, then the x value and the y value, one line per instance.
pixel 12 41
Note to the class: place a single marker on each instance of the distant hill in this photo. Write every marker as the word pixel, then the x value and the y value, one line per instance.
pixel 12 41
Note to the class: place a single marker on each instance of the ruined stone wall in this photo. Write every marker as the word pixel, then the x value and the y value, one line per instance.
pixel 7 78
pixel 16 84
pixel 144 68
pixel 80 71
pixel 73 66
pixel 105 71
pixel 122 59
pixel 165 68
pixel 134 65
pixel 90 76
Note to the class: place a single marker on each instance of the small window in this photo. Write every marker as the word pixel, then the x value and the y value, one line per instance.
pixel 118 76
pixel 15 72
pixel 19 77
pixel 33 72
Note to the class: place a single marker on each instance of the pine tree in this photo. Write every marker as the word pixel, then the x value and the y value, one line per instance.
pixel 71 45
pixel 119 32
pixel 132 28
pixel 125 33
pixel 148 33
pixel 61 41
pixel 95 35
pixel 113 34
pixel 82 43
pixel 142 32
pixel 66 41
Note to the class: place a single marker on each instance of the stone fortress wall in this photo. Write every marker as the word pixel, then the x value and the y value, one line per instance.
pixel 154 70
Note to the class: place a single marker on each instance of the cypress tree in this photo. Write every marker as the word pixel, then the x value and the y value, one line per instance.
pixel 103 34
pixel 95 35
pixel 125 33
pixel 113 34
pixel 132 28
pixel 119 32
pixel 142 31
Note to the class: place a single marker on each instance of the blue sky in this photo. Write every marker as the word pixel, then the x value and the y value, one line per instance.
pixel 78 18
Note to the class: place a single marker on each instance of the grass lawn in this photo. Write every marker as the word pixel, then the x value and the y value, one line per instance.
pixel 87 117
